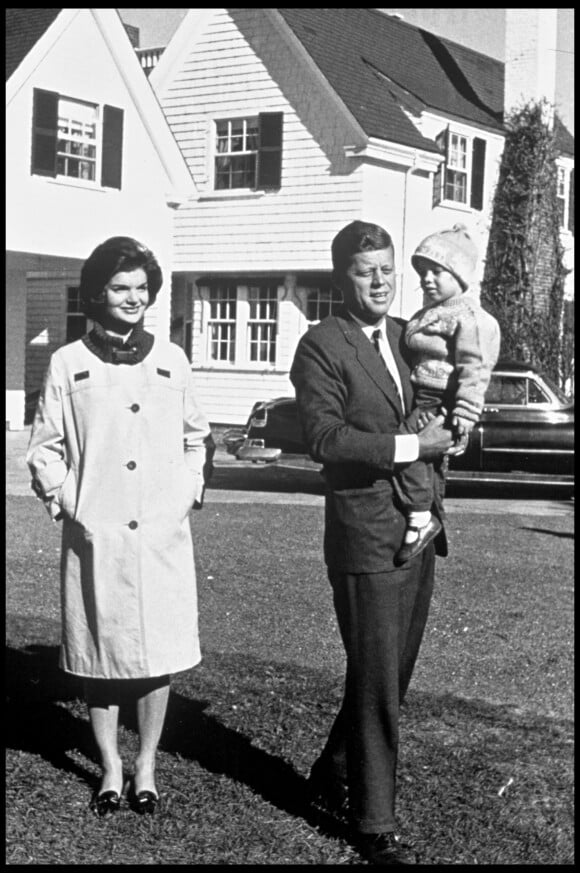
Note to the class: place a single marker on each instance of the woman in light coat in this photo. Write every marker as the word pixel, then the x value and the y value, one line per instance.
pixel 117 452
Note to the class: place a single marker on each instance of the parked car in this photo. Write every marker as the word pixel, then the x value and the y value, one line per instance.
pixel 526 429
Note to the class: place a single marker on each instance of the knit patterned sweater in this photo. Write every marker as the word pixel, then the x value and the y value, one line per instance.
pixel 456 346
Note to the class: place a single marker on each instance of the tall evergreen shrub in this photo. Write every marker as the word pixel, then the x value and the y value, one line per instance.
pixel 523 282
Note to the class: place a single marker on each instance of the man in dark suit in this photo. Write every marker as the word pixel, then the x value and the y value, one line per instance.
pixel 353 394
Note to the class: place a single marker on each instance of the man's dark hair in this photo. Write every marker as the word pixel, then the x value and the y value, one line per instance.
pixel 358 236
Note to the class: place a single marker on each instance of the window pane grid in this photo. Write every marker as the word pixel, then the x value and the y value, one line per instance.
pixel 222 324
pixel 458 152
pixel 76 321
pixel 236 150
pixel 262 324
pixel 73 303
pixel 321 302
pixel 456 186
pixel 77 140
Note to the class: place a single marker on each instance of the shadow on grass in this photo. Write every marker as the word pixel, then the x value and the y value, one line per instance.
pixel 41 720
pixel 554 533
pixel 37 717
pixel 456 753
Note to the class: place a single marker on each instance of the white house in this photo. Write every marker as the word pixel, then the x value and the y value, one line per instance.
pixel 89 155
pixel 294 122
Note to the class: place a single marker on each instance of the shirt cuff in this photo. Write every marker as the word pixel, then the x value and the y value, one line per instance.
pixel 406 448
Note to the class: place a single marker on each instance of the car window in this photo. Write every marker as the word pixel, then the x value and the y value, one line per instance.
pixel 562 397
pixel 507 390
pixel 535 393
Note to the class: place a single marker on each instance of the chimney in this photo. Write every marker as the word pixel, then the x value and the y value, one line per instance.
pixel 530 58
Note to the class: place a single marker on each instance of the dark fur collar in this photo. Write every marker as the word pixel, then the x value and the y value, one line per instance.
pixel 112 349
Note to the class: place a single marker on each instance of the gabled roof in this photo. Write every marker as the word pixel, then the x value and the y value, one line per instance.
pixel 563 138
pixel 24 27
pixel 36 33
pixel 361 52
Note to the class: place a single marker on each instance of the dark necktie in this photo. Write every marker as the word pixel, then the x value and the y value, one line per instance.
pixel 376 338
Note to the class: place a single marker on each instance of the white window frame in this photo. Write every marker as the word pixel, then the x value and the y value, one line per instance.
pixel 94 142
pixel 455 141
pixel 262 328
pixel 244 319
pixel 563 193
pixel 326 294
pixel 226 297
pixel 448 165
pixel 245 119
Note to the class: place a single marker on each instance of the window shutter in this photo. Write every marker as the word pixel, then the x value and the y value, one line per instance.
pixel 441 141
pixel 477 172
pixel 269 170
pixel 112 163
pixel 44 132
pixel 571 202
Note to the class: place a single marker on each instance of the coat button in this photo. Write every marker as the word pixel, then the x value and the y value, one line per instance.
pixel 131 465
pixel 133 525
pixel 135 407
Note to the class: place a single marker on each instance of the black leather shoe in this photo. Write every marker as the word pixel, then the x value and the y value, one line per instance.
pixel 425 536
pixel 106 803
pixel 145 802
pixel 385 849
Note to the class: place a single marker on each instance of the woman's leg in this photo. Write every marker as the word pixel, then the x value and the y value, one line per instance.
pixel 152 698
pixel 103 698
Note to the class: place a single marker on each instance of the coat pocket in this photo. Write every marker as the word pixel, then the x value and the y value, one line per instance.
pixel 364 529
pixel 67 494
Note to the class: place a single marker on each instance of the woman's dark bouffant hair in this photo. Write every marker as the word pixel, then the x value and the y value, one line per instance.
pixel 358 236
pixel 117 254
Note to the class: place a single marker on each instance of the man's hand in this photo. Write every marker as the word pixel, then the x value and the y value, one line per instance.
pixel 434 439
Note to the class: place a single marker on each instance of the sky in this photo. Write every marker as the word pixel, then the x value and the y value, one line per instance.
pixel 479 29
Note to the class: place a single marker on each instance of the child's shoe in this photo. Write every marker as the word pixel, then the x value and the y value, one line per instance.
pixel 425 535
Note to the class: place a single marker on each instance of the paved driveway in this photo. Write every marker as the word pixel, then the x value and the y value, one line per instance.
pixel 298 484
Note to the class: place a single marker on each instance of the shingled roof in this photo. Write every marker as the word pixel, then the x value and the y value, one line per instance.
pixel 374 61
pixel 563 138
pixel 24 27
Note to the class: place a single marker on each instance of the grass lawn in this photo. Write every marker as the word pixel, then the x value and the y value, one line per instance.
pixel 486 735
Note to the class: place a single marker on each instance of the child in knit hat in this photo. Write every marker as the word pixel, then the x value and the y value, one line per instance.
pixel 455 345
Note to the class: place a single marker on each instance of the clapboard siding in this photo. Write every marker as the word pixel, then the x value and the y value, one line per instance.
pixel 227 398
pixel 45 326
pixel 321 189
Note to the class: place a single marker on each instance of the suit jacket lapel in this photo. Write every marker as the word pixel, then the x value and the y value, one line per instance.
pixel 368 359
pixel 395 336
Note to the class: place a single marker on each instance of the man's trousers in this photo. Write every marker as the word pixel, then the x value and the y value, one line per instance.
pixel 381 617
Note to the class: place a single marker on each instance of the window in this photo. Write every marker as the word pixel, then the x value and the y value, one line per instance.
pixel 565 197
pixel 76 140
pixel 237 150
pixel 248 152
pixel 262 323
pixel 241 322
pixel 455 185
pixel 508 390
pixel 460 177
pixel 76 320
pixel 222 323
pixel 76 154
pixel 536 394
pixel 321 302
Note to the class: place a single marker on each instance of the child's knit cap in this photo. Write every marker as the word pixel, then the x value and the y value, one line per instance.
pixel 453 249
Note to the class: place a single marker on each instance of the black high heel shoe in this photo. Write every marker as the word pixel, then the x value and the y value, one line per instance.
pixel 145 802
pixel 106 803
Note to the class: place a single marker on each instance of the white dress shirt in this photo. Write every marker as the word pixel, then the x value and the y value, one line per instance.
pixel 406 445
